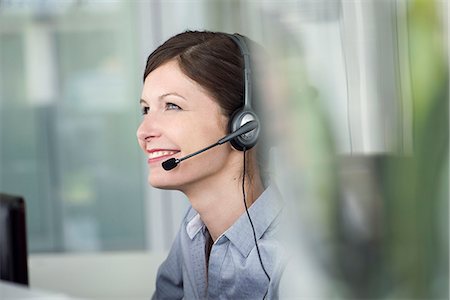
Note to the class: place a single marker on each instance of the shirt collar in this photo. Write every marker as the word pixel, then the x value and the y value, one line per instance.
pixel 263 213
pixel 194 224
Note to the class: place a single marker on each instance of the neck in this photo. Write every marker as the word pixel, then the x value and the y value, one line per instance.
pixel 220 202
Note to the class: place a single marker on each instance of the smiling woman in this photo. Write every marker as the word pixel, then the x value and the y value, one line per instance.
pixel 195 86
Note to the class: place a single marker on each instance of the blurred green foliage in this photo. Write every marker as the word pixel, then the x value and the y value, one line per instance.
pixel 415 245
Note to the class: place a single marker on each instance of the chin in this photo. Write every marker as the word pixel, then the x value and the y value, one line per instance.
pixel 162 182
pixel 165 187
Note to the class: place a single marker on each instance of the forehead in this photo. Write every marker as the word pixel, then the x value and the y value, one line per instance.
pixel 168 78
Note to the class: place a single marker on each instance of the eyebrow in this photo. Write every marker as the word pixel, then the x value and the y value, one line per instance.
pixel 171 94
pixel 142 101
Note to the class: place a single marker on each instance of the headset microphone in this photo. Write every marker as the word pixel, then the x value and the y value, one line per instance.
pixel 242 131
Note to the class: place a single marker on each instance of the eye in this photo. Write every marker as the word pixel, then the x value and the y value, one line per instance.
pixel 144 110
pixel 172 106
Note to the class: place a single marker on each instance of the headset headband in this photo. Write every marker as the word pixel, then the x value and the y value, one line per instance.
pixel 240 41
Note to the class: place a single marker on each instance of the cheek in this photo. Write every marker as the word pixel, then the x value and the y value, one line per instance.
pixel 197 134
pixel 214 128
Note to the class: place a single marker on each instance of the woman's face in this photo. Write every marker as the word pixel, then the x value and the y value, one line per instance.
pixel 179 118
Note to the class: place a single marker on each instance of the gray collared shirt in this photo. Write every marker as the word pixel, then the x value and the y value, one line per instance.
pixel 234 269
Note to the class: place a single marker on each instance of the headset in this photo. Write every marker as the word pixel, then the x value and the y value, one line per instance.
pixel 245 114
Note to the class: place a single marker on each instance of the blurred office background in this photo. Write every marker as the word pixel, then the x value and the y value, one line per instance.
pixel 358 101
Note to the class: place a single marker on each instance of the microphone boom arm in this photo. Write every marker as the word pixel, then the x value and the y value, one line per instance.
pixel 197 152
pixel 247 127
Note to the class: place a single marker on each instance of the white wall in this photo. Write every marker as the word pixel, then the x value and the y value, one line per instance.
pixel 99 276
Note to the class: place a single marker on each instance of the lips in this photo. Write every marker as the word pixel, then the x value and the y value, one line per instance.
pixel 160 154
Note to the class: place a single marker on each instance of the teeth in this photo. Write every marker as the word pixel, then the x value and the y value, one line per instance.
pixel 160 153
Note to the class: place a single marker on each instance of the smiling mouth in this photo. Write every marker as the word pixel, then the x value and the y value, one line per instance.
pixel 161 154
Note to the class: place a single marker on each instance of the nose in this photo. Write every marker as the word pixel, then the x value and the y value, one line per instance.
pixel 147 129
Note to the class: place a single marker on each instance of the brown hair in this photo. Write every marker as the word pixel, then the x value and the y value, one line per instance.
pixel 211 59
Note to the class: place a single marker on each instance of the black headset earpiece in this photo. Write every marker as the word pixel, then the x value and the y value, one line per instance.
pixel 246 113
pixel 239 118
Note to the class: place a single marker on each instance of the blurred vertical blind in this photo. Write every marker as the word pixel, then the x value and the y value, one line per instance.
pixel 69 76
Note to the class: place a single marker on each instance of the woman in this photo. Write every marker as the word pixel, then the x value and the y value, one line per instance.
pixel 193 83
